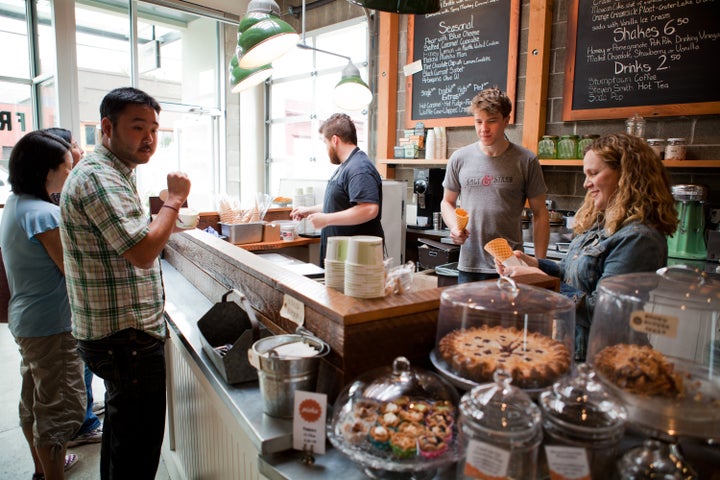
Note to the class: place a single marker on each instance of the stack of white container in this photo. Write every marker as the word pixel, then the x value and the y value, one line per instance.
pixel 436 143
pixel 335 255
pixel 364 268
pixel 356 263
pixel 304 197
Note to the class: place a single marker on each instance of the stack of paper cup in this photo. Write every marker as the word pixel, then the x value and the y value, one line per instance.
pixel 364 269
pixel 335 256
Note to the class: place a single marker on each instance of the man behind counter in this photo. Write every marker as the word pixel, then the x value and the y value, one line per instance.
pixel 494 177
pixel 354 192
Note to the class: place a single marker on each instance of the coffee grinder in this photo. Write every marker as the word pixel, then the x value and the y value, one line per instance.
pixel 427 186
pixel 688 241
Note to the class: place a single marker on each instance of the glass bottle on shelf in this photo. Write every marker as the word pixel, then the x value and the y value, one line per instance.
pixel 658 145
pixel 584 143
pixel 676 149
pixel 567 147
pixel 635 125
pixel 547 146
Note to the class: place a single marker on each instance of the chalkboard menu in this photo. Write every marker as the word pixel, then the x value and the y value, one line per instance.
pixel 652 57
pixel 453 54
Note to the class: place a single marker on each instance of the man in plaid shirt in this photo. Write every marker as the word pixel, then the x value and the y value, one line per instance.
pixel 114 282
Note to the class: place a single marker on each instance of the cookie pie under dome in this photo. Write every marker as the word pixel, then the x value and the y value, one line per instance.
pixel 485 326
pixel 655 342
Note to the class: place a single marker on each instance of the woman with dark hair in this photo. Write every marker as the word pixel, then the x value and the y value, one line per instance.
pixel 91 430
pixel 621 227
pixel 52 398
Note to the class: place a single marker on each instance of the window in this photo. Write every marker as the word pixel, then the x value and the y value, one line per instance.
pixel 178 64
pixel 299 102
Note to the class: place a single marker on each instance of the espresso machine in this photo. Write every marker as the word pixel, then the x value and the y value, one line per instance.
pixel 427 186
pixel 688 241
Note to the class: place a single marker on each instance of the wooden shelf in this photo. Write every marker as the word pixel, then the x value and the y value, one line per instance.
pixel 413 162
pixel 420 162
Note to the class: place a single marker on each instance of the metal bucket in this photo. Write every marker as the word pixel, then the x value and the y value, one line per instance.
pixel 281 376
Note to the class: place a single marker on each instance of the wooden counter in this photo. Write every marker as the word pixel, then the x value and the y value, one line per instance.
pixel 299 242
pixel 363 334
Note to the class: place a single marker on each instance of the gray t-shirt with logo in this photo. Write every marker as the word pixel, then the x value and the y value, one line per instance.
pixel 493 190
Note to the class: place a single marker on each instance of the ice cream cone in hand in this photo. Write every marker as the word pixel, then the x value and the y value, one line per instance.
pixel 461 216
pixel 500 249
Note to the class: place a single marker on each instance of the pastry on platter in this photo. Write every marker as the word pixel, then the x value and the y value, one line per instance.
pixel 532 359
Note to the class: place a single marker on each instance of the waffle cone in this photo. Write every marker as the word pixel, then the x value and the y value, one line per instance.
pixel 499 248
pixel 461 216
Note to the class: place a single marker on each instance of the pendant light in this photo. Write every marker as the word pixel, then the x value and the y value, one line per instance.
pixel 351 93
pixel 400 6
pixel 262 35
pixel 244 78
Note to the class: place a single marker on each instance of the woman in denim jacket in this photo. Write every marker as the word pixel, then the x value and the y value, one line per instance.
pixel 620 228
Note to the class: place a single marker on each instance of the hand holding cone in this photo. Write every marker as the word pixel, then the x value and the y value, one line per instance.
pixel 461 216
pixel 499 248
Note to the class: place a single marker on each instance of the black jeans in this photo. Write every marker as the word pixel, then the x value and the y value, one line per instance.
pixel 132 364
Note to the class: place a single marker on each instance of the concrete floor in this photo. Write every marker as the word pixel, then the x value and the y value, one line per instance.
pixel 15 460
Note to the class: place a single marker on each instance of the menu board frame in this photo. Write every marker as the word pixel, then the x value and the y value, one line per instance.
pixel 464 119
pixel 660 105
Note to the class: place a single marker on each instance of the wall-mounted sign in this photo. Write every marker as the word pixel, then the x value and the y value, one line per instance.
pixel 467 46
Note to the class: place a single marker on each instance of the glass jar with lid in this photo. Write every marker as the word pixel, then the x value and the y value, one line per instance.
pixel 567 146
pixel 658 145
pixel 547 146
pixel 676 148
pixel 584 143
pixel 583 425
pixel 500 431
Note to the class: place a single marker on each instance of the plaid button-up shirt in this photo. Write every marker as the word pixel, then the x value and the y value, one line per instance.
pixel 101 218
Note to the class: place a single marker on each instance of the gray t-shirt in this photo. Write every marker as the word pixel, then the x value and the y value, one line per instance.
pixel 493 190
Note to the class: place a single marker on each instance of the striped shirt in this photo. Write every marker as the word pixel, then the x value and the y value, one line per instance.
pixel 101 218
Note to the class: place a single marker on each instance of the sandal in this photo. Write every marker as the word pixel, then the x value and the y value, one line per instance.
pixel 70 460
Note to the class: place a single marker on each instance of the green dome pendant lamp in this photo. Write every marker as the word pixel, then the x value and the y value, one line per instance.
pixel 262 35
pixel 244 78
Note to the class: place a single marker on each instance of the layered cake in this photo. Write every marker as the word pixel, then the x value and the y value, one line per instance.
pixel 534 360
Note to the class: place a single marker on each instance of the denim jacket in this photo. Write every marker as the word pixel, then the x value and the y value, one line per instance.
pixel 594 255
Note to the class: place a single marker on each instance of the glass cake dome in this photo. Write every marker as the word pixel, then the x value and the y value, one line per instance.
pixel 655 342
pixel 485 326
pixel 397 421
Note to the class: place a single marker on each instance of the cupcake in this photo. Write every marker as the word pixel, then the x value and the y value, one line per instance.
pixel 411 428
pixel 419 406
pixel 366 412
pixel 389 420
pixel 379 437
pixel 390 407
pixel 441 430
pixel 439 418
pixel 431 446
pixel 355 432
pixel 403 445
pixel 414 416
